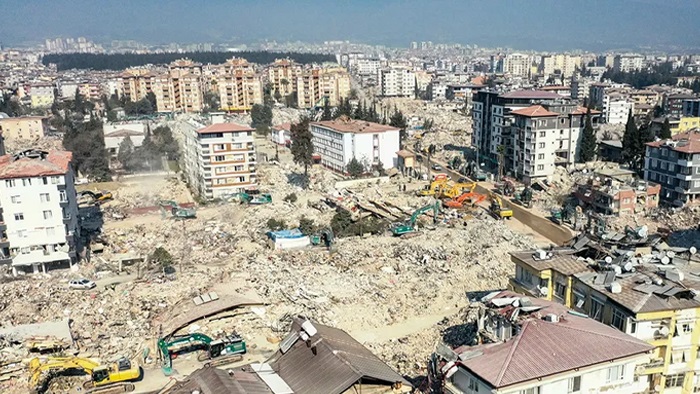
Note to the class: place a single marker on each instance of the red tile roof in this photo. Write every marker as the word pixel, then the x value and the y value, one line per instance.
pixel 534 111
pixel 224 128
pixel 584 110
pixel 531 94
pixel 688 142
pixel 55 163
pixel 354 126
pixel 283 126
pixel 544 348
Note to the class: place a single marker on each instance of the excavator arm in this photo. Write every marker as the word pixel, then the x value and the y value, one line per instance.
pixel 55 364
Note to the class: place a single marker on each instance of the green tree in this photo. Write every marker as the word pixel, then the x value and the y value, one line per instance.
pixel 151 97
pixel 354 168
pixel 165 143
pixel 399 121
pixel 633 148
pixel 148 154
pixel 125 154
pixel 665 130
pixel 212 101
pixel 588 140
pixel 78 102
pixel 161 256
pixel 86 141
pixel 359 112
pixel 344 109
pixel 302 147
pixel 261 116
pixel 278 95
pixel 306 225
pixel 327 112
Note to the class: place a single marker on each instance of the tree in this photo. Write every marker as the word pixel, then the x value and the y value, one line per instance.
pixel 632 144
pixel 161 256
pixel 125 155
pixel 306 225
pixel 148 154
pixel 588 140
pixel 427 125
pixel 212 101
pixel 665 130
pixel 164 143
pixel 278 95
pixel 151 97
pixel 302 147
pixel 327 112
pixel 399 121
pixel 344 108
pixel 354 168
pixel 141 107
pixel 261 116
pixel 359 112
pixel 86 141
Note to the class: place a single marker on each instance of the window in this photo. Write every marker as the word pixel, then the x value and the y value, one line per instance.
pixel 615 374
pixel 533 390
pixel 26 181
pixel 579 300
pixel 19 216
pixel 684 328
pixel 540 156
pixel 45 180
pixel 675 380
pixel 62 196
pixel 48 215
pixel 633 327
pixel 574 384
pixel 559 289
pixel 219 158
pixel 44 197
pixel 540 167
pixel 618 320
pixel 596 310
pixel 218 146
pixel 541 145
pixel 50 231
pixel 16 199
pixel 22 233
pixel 543 133
pixel 54 180
pixel 473 387
pixel 10 183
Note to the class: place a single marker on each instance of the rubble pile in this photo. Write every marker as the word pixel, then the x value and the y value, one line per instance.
pixel 46 143
pixel 681 225
pixel 138 193
pixel 443 118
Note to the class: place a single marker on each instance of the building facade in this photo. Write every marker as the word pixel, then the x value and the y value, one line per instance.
pixel 42 95
pixel 339 141
pixel 282 74
pixel 219 160
pixel 238 85
pixel 691 107
pixel 24 127
pixel 396 82
pixel 39 211
pixel 517 65
pixel 675 165
pixel 317 85
pixel 628 63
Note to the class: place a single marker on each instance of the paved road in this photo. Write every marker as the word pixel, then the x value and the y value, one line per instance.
pixel 541 225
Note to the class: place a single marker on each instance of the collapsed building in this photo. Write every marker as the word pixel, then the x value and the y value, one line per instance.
pixel 617 192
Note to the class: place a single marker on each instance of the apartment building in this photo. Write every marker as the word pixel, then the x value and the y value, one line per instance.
pixel 39 215
pixel 527 349
pixel 616 107
pixel 653 299
pixel 186 87
pixel 628 63
pixel 560 64
pixel 317 85
pixel 282 74
pixel 338 141
pixel 396 82
pixel 645 97
pixel 42 94
pixel 580 87
pixel 545 136
pixel 517 65
pixel 675 165
pixel 691 107
pixel 617 192
pixel 219 160
pixel 135 83
pixel 24 128
pixel 238 85
pixel 491 114
pixel 673 103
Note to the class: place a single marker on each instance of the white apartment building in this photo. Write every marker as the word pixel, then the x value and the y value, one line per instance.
pixel 219 159
pixel 338 141
pixel 396 82
pixel 616 107
pixel 365 66
pixel 580 87
pixel 628 63
pixel 517 65
pixel 561 64
pixel 39 211
pixel 545 136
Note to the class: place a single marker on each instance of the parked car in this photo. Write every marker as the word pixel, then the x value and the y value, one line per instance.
pixel 437 167
pixel 82 284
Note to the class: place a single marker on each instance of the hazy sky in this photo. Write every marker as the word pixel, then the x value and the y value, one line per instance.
pixel 522 24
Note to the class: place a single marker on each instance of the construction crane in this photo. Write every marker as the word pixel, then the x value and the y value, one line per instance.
pixel 498 209
pixel 435 187
pixel 401 228
pixel 223 350
pixel 457 189
pixel 176 210
pixel 101 375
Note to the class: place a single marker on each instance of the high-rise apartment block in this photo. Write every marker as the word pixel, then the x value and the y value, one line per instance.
pixel 239 86
pixel 282 74
pixel 314 86
pixel 396 82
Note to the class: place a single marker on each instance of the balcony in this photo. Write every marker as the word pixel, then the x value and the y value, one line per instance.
pixel 654 366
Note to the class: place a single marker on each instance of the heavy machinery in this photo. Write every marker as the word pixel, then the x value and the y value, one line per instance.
pixel 98 197
pixel 470 198
pixel 324 236
pixel 439 183
pixel 506 187
pixel 524 198
pixel 401 228
pixel 101 375
pixel 176 210
pixel 226 349
pixel 253 199
pixel 497 208
pixel 457 189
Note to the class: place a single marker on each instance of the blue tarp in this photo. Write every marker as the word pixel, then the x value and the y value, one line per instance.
pixel 283 234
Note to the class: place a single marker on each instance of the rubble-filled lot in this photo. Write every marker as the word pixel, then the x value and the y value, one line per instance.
pixel 386 290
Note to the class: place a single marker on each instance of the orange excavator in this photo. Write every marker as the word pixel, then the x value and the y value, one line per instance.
pixel 470 198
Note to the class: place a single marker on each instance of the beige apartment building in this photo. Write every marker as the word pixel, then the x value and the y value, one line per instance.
pixel 316 85
pixel 238 85
pixel 25 127
pixel 282 75
pixel 136 83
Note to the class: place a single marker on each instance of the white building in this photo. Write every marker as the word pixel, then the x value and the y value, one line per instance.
pixel 281 134
pixel 39 210
pixel 628 63
pixel 517 65
pixel 219 160
pixel 580 87
pixel 365 66
pixel 396 82
pixel 338 141
pixel 616 108
pixel 558 353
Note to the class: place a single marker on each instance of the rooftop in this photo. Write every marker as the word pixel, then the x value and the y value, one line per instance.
pixel 531 94
pixel 347 125
pixel 543 348
pixel 688 142
pixel 224 128
pixel 124 133
pixel 534 111
pixel 561 260
pixel 35 163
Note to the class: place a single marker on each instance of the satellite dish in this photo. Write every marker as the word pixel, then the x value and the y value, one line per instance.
pixel 544 291
pixel 608 259
pixel 693 250
pixel 670 254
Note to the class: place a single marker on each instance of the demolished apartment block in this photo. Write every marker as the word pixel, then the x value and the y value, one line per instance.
pixel 634 282
pixel 525 345
pixel 313 358
pixel 615 193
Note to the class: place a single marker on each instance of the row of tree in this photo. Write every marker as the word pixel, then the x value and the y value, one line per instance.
pixel 660 74
pixel 121 61
pixel 155 146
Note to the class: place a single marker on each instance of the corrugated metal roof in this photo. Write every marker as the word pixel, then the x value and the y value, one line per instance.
pixel 210 380
pixel 331 363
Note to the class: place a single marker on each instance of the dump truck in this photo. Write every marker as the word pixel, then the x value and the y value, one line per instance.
pixel 220 351
pixel 41 372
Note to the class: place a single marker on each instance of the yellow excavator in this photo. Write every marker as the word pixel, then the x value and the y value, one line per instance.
pixel 497 208
pixel 102 375
pixel 439 183
pixel 457 189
